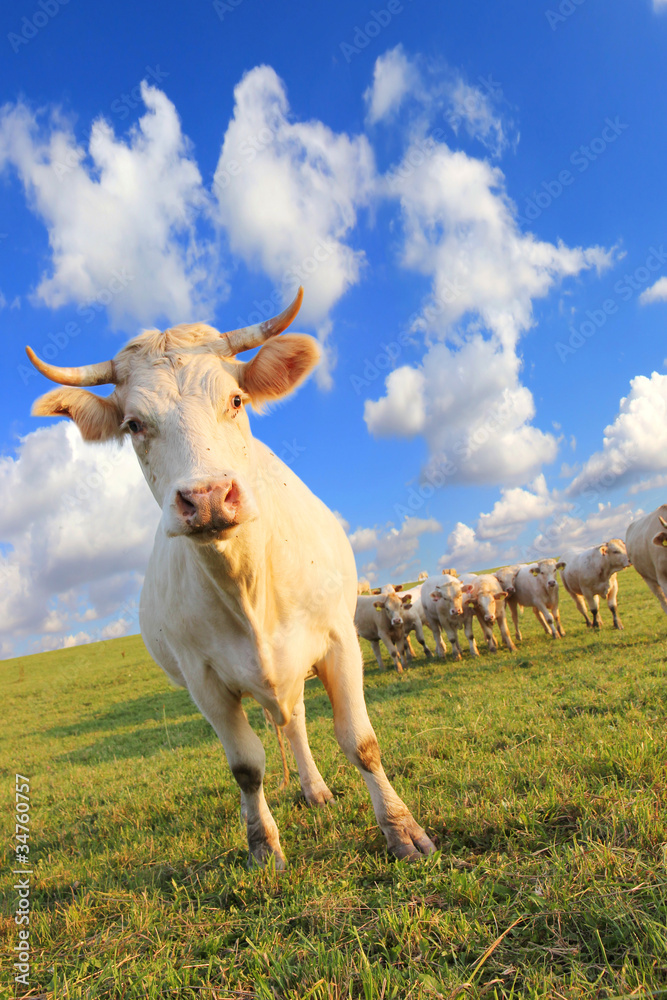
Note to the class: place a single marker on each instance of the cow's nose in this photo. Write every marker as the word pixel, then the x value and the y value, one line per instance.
pixel 552 583
pixel 490 619
pixel 209 506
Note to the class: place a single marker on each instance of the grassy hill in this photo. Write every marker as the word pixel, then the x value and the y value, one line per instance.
pixel 540 774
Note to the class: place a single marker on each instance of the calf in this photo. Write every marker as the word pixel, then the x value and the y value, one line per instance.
pixel 381 617
pixel 646 539
pixel 536 587
pixel 587 576
pixel 487 602
pixel 442 599
pixel 414 621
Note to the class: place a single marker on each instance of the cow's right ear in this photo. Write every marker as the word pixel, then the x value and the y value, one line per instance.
pixel 97 417
pixel 660 539
pixel 378 604
pixel 279 366
pixel 535 571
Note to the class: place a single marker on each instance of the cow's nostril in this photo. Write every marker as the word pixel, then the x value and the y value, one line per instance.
pixel 184 506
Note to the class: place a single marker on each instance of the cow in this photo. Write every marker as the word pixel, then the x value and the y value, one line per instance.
pixel 536 587
pixel 363 586
pixel 589 575
pixel 442 600
pixel 646 540
pixel 413 618
pixel 251 585
pixel 381 617
pixel 505 577
pixel 422 576
pixel 486 601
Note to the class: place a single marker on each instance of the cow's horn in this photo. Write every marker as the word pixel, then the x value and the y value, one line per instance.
pixel 662 521
pixel 100 374
pixel 253 336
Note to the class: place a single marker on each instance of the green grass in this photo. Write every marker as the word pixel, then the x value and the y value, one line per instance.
pixel 540 774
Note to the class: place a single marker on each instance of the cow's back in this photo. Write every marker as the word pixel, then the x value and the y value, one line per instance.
pixel 647 558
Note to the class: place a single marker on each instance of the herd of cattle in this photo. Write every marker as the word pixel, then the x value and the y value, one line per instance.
pixel 449 602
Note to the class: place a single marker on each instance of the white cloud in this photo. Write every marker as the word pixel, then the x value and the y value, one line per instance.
pixel 569 532
pixel 121 215
pixel 654 483
pixel 77 522
pixel 396 548
pixel 635 444
pixel 394 76
pixel 466 553
pixel 288 195
pixel 516 508
pixel 466 397
pixel 473 108
pixel 658 291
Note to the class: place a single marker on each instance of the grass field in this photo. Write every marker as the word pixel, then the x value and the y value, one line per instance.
pixel 540 774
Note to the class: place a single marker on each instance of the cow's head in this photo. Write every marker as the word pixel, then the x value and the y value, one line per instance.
pixel 616 553
pixel 545 571
pixel 485 603
pixel 452 595
pixel 181 397
pixel 392 605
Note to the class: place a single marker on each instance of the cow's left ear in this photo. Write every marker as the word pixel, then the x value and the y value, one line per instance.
pixel 501 596
pixel 560 565
pixel 660 539
pixel 406 601
pixel 97 417
pixel 604 550
pixel 279 366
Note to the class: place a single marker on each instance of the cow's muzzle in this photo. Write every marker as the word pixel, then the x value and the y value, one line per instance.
pixel 209 508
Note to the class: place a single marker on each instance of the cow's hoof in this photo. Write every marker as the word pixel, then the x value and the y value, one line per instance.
pixel 318 796
pixel 264 855
pixel 619 627
pixel 416 845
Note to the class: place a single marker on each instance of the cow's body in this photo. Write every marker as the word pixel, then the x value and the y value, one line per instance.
pixel 381 619
pixel 536 587
pixel 589 575
pixel 251 586
pixel 486 602
pixel 442 600
pixel 646 540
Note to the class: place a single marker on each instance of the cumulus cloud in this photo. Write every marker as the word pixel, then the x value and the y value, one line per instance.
pixel 466 553
pixel 466 396
pixel 77 523
pixel 396 548
pixel 574 532
pixel 516 508
pixel 394 76
pixel 658 291
pixel 121 215
pixel 635 444
pixel 473 108
pixel 288 195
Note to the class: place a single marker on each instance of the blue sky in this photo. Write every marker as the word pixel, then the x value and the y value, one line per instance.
pixel 472 196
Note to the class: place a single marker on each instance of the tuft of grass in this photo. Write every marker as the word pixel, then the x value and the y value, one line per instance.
pixel 540 774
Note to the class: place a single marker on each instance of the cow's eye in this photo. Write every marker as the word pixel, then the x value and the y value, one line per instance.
pixel 133 426
pixel 236 402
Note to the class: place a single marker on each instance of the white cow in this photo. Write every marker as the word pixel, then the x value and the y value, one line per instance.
pixel 414 620
pixel 442 600
pixel 422 576
pixel 381 617
pixel 589 575
pixel 363 586
pixel 250 588
pixel 486 601
pixel 536 587
pixel 646 539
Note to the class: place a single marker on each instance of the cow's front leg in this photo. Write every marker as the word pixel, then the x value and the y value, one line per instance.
pixel 594 608
pixel 393 651
pixel 313 785
pixel 246 758
pixel 514 609
pixel 612 601
pixel 546 619
pixel 341 674
pixel 467 628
